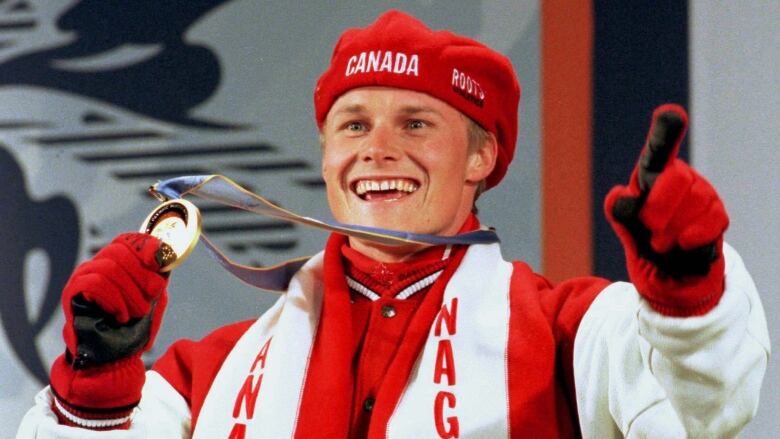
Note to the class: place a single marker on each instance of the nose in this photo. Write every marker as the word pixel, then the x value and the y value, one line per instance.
pixel 380 146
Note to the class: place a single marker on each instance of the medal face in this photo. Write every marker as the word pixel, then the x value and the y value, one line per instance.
pixel 177 224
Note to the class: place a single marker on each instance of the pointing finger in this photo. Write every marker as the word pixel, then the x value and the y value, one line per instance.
pixel 666 133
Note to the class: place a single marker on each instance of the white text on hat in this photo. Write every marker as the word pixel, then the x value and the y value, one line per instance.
pixel 383 61
pixel 468 87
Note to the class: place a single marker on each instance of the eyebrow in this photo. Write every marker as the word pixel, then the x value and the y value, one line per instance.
pixel 351 109
pixel 406 110
pixel 415 109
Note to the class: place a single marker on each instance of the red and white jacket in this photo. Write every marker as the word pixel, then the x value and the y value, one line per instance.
pixel 494 350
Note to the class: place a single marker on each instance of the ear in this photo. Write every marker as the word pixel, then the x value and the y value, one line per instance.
pixel 322 153
pixel 483 160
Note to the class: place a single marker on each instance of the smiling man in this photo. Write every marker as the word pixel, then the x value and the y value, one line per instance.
pixel 449 341
pixel 401 160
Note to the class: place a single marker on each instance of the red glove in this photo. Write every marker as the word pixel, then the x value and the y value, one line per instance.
pixel 113 308
pixel 671 223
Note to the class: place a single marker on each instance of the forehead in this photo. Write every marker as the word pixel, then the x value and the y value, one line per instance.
pixel 388 99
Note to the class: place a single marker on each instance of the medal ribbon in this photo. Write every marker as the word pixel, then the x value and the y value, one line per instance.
pixel 223 190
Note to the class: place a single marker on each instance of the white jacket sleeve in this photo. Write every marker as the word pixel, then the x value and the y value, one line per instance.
pixel 642 374
pixel 162 413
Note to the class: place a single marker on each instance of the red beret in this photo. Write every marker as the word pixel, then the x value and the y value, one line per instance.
pixel 397 50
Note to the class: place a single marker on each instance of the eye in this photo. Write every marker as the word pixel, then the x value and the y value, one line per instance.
pixel 355 126
pixel 416 124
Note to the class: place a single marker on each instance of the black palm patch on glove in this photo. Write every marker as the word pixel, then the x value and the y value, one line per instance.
pixel 101 339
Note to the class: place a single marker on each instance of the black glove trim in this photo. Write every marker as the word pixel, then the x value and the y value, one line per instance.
pixel 101 339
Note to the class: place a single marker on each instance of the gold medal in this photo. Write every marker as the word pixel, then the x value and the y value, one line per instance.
pixel 177 224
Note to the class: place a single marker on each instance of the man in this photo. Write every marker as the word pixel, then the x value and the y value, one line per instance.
pixel 372 340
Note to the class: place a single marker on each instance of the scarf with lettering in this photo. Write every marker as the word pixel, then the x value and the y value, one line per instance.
pixel 290 375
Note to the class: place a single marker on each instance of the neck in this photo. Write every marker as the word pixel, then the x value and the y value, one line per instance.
pixel 385 253
pixel 400 253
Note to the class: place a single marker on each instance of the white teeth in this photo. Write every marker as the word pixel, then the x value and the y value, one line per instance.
pixel 363 186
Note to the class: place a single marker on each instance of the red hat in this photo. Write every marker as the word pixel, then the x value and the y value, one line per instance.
pixel 398 50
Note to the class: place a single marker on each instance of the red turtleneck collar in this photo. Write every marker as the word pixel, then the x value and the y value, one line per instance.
pixel 387 278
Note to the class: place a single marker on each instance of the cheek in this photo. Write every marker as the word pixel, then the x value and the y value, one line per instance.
pixel 325 169
pixel 330 165
pixel 450 169
pixel 335 166
pixel 333 193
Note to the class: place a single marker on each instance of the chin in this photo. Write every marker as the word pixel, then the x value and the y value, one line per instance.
pixel 384 217
pixel 382 223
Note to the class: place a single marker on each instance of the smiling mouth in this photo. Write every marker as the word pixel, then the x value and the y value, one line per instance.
pixel 384 189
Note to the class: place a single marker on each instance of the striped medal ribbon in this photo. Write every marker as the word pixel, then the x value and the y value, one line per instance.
pixel 220 189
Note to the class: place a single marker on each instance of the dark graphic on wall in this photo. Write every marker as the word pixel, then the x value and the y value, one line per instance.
pixel 164 79
pixel 50 225
pixel 108 68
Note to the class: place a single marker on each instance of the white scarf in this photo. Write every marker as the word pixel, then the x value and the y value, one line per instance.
pixel 272 359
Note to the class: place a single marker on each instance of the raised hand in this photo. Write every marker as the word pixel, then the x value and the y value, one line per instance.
pixel 113 303
pixel 671 223
pixel 113 308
